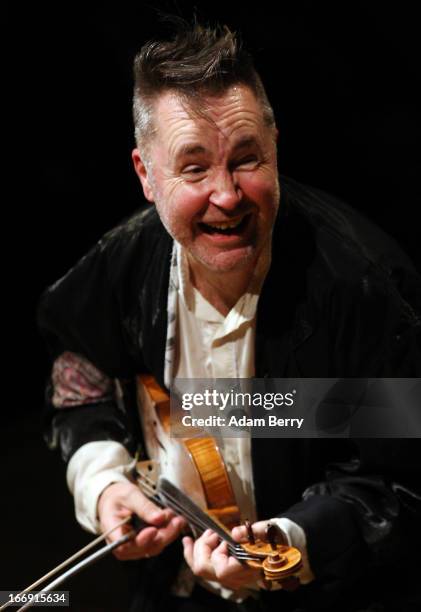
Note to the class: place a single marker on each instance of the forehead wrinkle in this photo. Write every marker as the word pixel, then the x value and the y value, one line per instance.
pixel 189 135
pixel 238 116
pixel 191 138
pixel 250 136
pixel 221 109
pixel 190 148
pixel 171 116
pixel 241 116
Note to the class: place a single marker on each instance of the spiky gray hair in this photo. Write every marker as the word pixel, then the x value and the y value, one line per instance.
pixel 198 61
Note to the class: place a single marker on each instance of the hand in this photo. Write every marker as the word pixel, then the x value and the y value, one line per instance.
pixel 209 559
pixel 120 500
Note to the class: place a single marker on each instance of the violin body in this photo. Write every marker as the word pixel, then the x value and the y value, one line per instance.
pixel 194 465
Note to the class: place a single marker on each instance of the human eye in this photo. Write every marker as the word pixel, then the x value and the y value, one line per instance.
pixel 248 162
pixel 193 171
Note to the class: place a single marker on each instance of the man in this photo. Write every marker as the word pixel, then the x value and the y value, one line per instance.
pixel 214 281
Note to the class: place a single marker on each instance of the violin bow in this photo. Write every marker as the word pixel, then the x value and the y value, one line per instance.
pixel 96 556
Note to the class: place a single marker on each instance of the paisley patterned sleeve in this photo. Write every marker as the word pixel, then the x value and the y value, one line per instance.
pixel 77 381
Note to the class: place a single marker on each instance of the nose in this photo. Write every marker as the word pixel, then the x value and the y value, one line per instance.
pixel 225 191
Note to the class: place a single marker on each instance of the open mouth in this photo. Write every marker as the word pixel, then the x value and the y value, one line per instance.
pixel 226 228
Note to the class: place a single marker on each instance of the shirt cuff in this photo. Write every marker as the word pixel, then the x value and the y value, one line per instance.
pixel 92 468
pixel 297 538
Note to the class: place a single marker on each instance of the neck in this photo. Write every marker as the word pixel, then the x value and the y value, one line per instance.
pixel 222 290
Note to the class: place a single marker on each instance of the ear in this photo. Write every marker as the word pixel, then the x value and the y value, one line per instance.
pixel 142 173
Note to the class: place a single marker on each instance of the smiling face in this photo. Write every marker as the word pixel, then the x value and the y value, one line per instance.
pixel 213 177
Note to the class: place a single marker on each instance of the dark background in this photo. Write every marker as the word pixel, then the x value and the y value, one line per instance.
pixel 343 79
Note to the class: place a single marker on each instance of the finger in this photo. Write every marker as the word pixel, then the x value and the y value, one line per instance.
pixel 202 551
pixel 207 542
pixel 111 515
pixel 131 499
pixel 138 547
pixel 145 538
pixel 115 533
pixel 194 553
pixel 162 537
pixel 147 510
pixel 151 539
pixel 223 562
pixel 229 571
pixel 240 533
pixel 188 545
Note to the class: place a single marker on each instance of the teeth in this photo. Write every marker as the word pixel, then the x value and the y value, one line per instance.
pixel 225 224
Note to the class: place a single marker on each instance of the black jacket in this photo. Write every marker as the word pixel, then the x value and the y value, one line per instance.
pixel 340 300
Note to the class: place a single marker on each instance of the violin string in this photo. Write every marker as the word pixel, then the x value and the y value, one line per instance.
pixel 204 522
pixel 98 554
pixel 171 491
pixel 175 505
pixel 236 551
pixel 69 560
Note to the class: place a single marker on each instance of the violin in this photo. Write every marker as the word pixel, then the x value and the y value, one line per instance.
pixel 189 476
